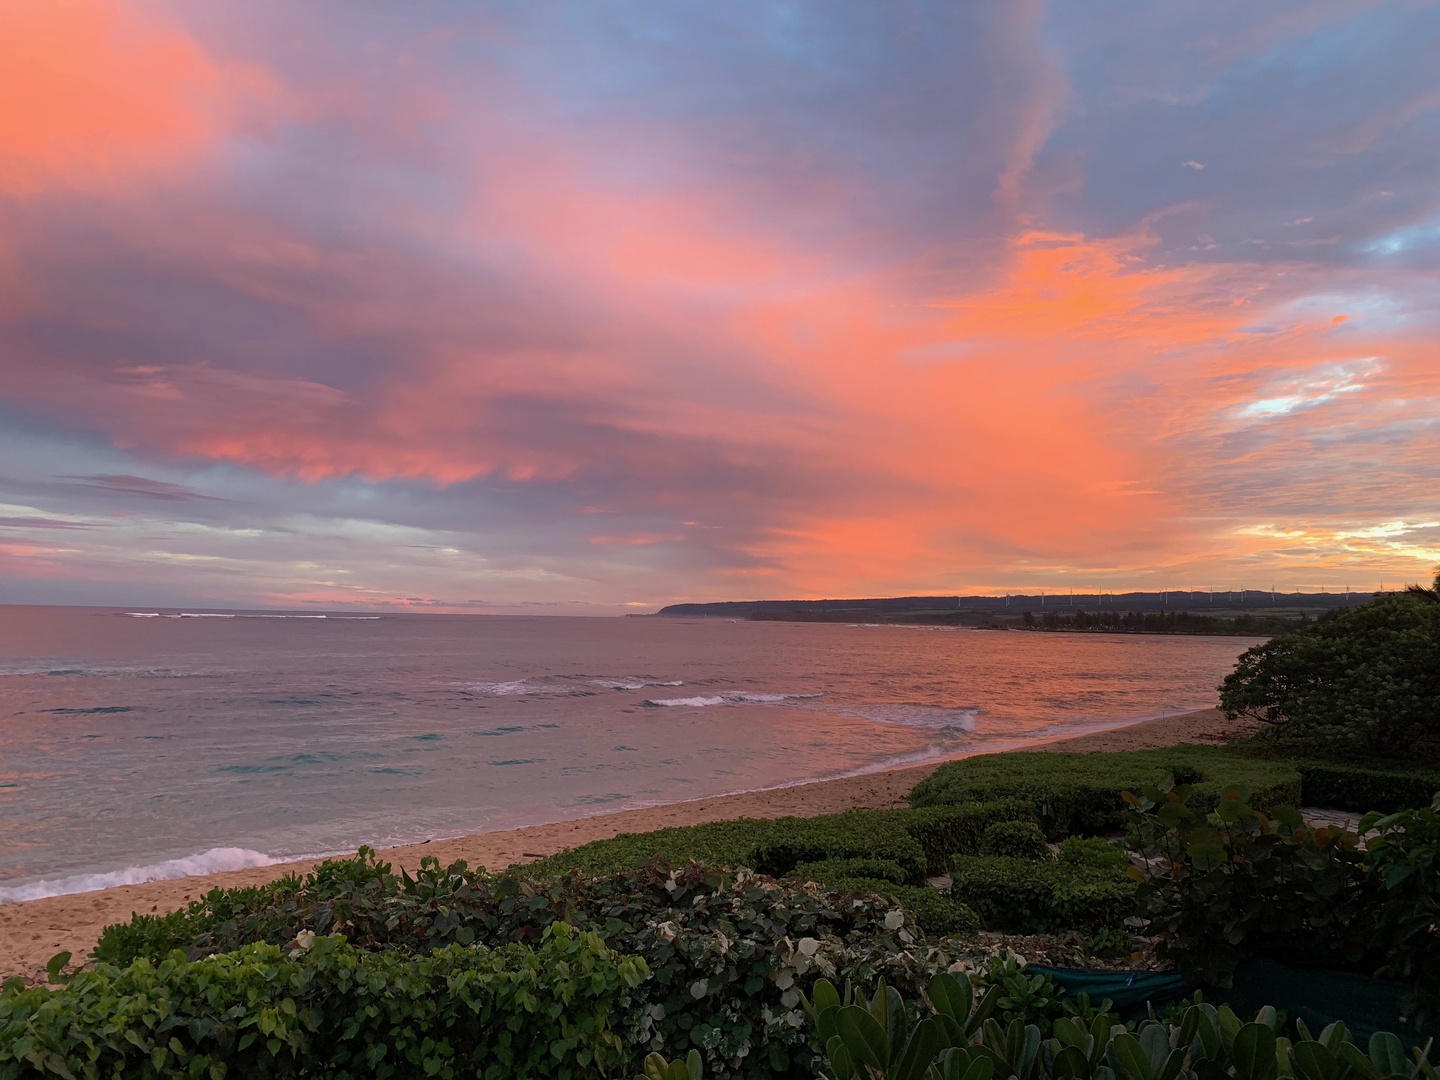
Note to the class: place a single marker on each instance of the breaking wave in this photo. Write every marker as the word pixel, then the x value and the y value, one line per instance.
pixel 238 615
pixel 927 717
pixel 213 861
pixel 736 697
pixel 567 685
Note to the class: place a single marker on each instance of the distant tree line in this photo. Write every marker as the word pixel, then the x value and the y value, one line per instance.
pixel 1163 622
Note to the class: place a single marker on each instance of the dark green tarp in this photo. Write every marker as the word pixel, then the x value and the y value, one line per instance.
pixel 1316 996
pixel 1319 997
pixel 1130 991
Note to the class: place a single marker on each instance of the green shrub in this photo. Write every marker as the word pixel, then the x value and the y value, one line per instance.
pixel 725 950
pixel 1364 680
pixel 1402 855
pixel 828 870
pixel 936 913
pixel 920 840
pixel 324 1008
pixel 1080 794
pixel 858 834
pixel 1094 851
pixel 944 831
pixel 1015 839
pixel 1025 896
pixel 1354 787
pixel 1222 886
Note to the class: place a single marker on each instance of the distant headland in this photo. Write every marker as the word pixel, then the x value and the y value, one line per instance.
pixel 1238 611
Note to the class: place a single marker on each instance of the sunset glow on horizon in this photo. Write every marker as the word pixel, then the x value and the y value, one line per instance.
pixel 595 307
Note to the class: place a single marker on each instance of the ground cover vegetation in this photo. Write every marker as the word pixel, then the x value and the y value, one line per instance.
pixel 1164 622
pixel 1081 794
pixel 707 938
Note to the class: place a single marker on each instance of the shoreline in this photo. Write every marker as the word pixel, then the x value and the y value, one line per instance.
pixel 32 931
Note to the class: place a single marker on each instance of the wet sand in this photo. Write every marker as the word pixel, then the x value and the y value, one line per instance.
pixel 35 930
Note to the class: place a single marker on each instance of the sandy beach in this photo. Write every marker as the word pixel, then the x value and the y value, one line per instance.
pixel 33 931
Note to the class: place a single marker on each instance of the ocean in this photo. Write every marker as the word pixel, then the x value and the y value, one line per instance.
pixel 142 744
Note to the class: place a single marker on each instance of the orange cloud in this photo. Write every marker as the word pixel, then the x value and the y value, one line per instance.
pixel 94 93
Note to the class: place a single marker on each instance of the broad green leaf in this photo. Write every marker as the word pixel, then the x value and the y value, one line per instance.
pixel 1354 1057
pixel 896 1019
pixel 56 965
pixel 1155 1041
pixel 824 996
pixel 1314 1061
pixel 952 996
pixel 920 1049
pixel 1254 1052
pixel 1388 1054
pixel 952 1033
pixel 863 1036
pixel 1070 1064
pixel 1129 1057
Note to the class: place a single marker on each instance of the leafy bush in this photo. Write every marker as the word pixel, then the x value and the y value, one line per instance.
pixel 1094 851
pixel 325 1008
pixel 1233 883
pixel 1236 882
pixel 853 835
pixel 1365 680
pixel 944 831
pixel 725 951
pixel 882 1038
pixel 828 870
pixel 1080 794
pixel 1015 839
pixel 1026 896
pixel 156 936
pixel 1354 787
pixel 1402 854
pixel 921 841
pixel 934 912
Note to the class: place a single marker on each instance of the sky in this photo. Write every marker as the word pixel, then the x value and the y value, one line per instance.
pixel 588 307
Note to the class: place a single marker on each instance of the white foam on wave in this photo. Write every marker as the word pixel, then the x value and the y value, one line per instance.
pixel 637 682
pixel 734 697
pixel 237 615
pixel 567 685
pixel 529 687
pixel 928 717
pixel 213 861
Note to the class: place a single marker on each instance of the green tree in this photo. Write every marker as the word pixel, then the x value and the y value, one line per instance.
pixel 1430 595
pixel 1366 679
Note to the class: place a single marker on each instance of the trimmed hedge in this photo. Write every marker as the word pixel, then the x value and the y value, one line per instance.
pixel 1026 896
pixel 921 841
pixel 1354 787
pixel 1094 851
pixel 1079 794
pixel 828 870
pixel 1020 839
pixel 325 1008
